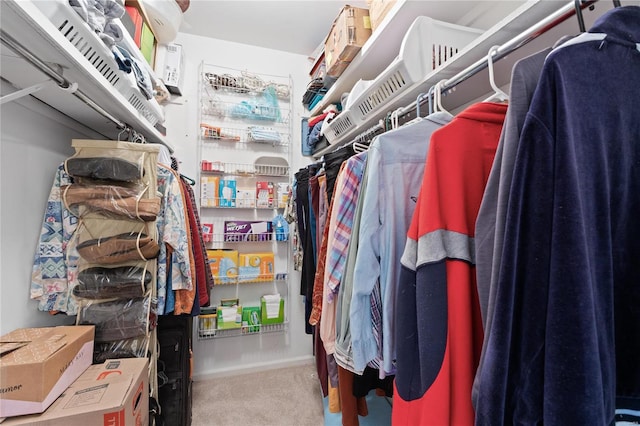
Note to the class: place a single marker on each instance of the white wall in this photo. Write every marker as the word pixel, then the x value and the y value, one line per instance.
pixel 34 140
pixel 218 357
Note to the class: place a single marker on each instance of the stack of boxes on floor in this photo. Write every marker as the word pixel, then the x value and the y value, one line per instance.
pixel 109 190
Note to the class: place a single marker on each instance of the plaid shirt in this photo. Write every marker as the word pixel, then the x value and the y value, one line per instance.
pixel 346 204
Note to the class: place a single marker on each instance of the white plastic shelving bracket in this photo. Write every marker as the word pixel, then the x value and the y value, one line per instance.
pixel 24 92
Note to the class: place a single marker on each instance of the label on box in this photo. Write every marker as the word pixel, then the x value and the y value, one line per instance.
pixel 227 193
pixel 264 194
pixel 246 230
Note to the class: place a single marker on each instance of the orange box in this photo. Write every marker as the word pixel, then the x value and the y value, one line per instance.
pixel 256 267
pixel 224 266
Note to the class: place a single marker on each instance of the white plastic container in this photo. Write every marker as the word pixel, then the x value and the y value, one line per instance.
pixel 427 45
pixel 78 32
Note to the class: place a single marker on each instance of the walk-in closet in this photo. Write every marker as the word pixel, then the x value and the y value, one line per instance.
pixel 319 213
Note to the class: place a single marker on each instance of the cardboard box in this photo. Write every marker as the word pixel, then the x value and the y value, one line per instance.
pixel 224 266
pixel 173 73
pixel 246 198
pixel 247 230
pixel 251 319
pixel 227 193
pixel 350 30
pixel 378 9
pixel 148 45
pixel 255 267
pixel 113 393
pixel 209 191
pixel 38 364
pixel 271 313
pixel 264 194
pixel 229 317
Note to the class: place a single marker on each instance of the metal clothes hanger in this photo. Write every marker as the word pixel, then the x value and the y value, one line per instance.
pixel 498 94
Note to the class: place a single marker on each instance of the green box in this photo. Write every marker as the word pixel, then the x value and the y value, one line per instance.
pixel 251 319
pixel 147 44
pixel 226 312
pixel 271 320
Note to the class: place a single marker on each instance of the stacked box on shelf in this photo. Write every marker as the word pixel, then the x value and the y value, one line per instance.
pixel 209 191
pixel 256 267
pixel 350 30
pixel 243 230
pixel 224 266
pixel 427 45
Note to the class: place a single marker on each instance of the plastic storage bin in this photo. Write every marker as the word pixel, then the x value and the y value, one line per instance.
pixel 78 33
pixel 427 45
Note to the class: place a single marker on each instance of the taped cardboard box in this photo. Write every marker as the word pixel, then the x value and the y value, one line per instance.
pixel 113 393
pixel 38 364
pixel 350 30
pixel 378 9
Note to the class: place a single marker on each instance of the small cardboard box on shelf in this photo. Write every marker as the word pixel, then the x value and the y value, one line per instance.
pixel 378 9
pixel 350 30
pixel 224 266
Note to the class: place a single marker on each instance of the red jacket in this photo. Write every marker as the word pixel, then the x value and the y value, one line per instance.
pixel 438 323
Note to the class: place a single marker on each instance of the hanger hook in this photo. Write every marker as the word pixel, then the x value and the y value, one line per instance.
pixel 494 86
pixel 438 91
pixel 418 104
pixel 578 5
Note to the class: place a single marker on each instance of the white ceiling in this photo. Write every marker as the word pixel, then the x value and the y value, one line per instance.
pixel 297 26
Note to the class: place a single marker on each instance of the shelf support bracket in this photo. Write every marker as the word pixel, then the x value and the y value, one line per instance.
pixel 24 92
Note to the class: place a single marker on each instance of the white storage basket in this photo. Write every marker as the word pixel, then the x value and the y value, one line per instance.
pixel 78 32
pixel 427 45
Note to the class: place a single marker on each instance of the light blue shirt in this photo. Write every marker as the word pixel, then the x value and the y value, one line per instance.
pixel 395 168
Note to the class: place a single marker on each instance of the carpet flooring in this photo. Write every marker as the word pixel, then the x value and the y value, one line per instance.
pixel 283 397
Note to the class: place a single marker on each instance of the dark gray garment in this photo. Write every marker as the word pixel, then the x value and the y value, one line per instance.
pixel 491 216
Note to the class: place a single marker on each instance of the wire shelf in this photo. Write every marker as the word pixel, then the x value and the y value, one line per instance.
pixel 238 237
pixel 242 169
pixel 245 83
pixel 254 110
pixel 250 279
pixel 207 330
pixel 251 134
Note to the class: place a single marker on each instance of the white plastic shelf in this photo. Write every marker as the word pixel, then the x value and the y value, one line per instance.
pixel 526 15
pixel 71 53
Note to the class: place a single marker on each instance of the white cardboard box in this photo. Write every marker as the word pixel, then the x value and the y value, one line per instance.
pixel 173 71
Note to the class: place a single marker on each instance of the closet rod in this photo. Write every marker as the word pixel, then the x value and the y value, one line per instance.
pixel 531 33
pixel 517 42
pixel 54 75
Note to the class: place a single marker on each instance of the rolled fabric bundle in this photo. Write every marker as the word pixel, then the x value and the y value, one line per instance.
pixel 105 283
pixel 117 319
pixel 112 199
pixel 119 248
pixel 104 168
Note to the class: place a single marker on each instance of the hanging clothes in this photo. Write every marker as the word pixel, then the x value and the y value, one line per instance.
pixel 438 322
pixel 172 231
pixel 489 235
pixel 55 265
pixel 563 344
pixel 396 162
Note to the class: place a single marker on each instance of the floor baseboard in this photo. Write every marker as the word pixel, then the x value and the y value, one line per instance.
pixel 256 367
